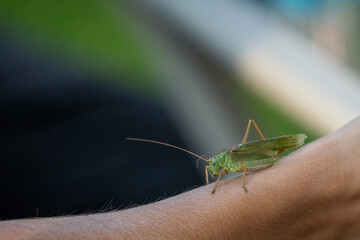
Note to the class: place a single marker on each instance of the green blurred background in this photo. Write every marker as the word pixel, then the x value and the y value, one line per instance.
pixel 196 71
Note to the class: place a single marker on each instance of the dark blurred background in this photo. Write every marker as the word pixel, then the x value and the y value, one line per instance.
pixel 78 77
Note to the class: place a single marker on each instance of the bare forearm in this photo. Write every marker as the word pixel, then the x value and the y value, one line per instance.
pixel 197 214
pixel 270 208
pixel 305 196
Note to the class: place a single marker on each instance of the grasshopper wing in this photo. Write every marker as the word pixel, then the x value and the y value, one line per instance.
pixel 276 144
pixel 264 150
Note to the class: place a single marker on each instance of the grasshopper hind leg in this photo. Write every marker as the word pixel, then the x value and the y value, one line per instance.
pixel 251 123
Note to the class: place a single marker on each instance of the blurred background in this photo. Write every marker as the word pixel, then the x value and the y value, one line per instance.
pixel 78 77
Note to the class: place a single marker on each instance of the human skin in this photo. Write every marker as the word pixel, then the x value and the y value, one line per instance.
pixel 314 193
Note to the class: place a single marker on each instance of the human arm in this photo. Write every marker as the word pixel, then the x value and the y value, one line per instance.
pixel 313 193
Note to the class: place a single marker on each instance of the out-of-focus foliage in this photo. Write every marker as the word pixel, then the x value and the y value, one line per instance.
pixel 100 37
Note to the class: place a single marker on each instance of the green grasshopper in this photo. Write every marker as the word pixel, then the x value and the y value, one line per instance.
pixel 247 156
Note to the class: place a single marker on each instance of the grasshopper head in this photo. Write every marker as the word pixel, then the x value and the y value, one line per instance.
pixel 213 167
pixel 215 163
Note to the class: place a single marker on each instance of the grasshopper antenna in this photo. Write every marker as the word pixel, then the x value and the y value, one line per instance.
pixel 169 145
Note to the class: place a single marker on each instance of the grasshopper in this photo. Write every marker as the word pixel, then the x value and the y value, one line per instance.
pixel 247 156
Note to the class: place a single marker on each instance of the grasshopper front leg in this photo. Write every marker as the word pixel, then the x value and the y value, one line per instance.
pixel 207 174
pixel 217 181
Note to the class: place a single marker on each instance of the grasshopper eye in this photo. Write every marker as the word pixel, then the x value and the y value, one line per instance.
pixel 213 163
